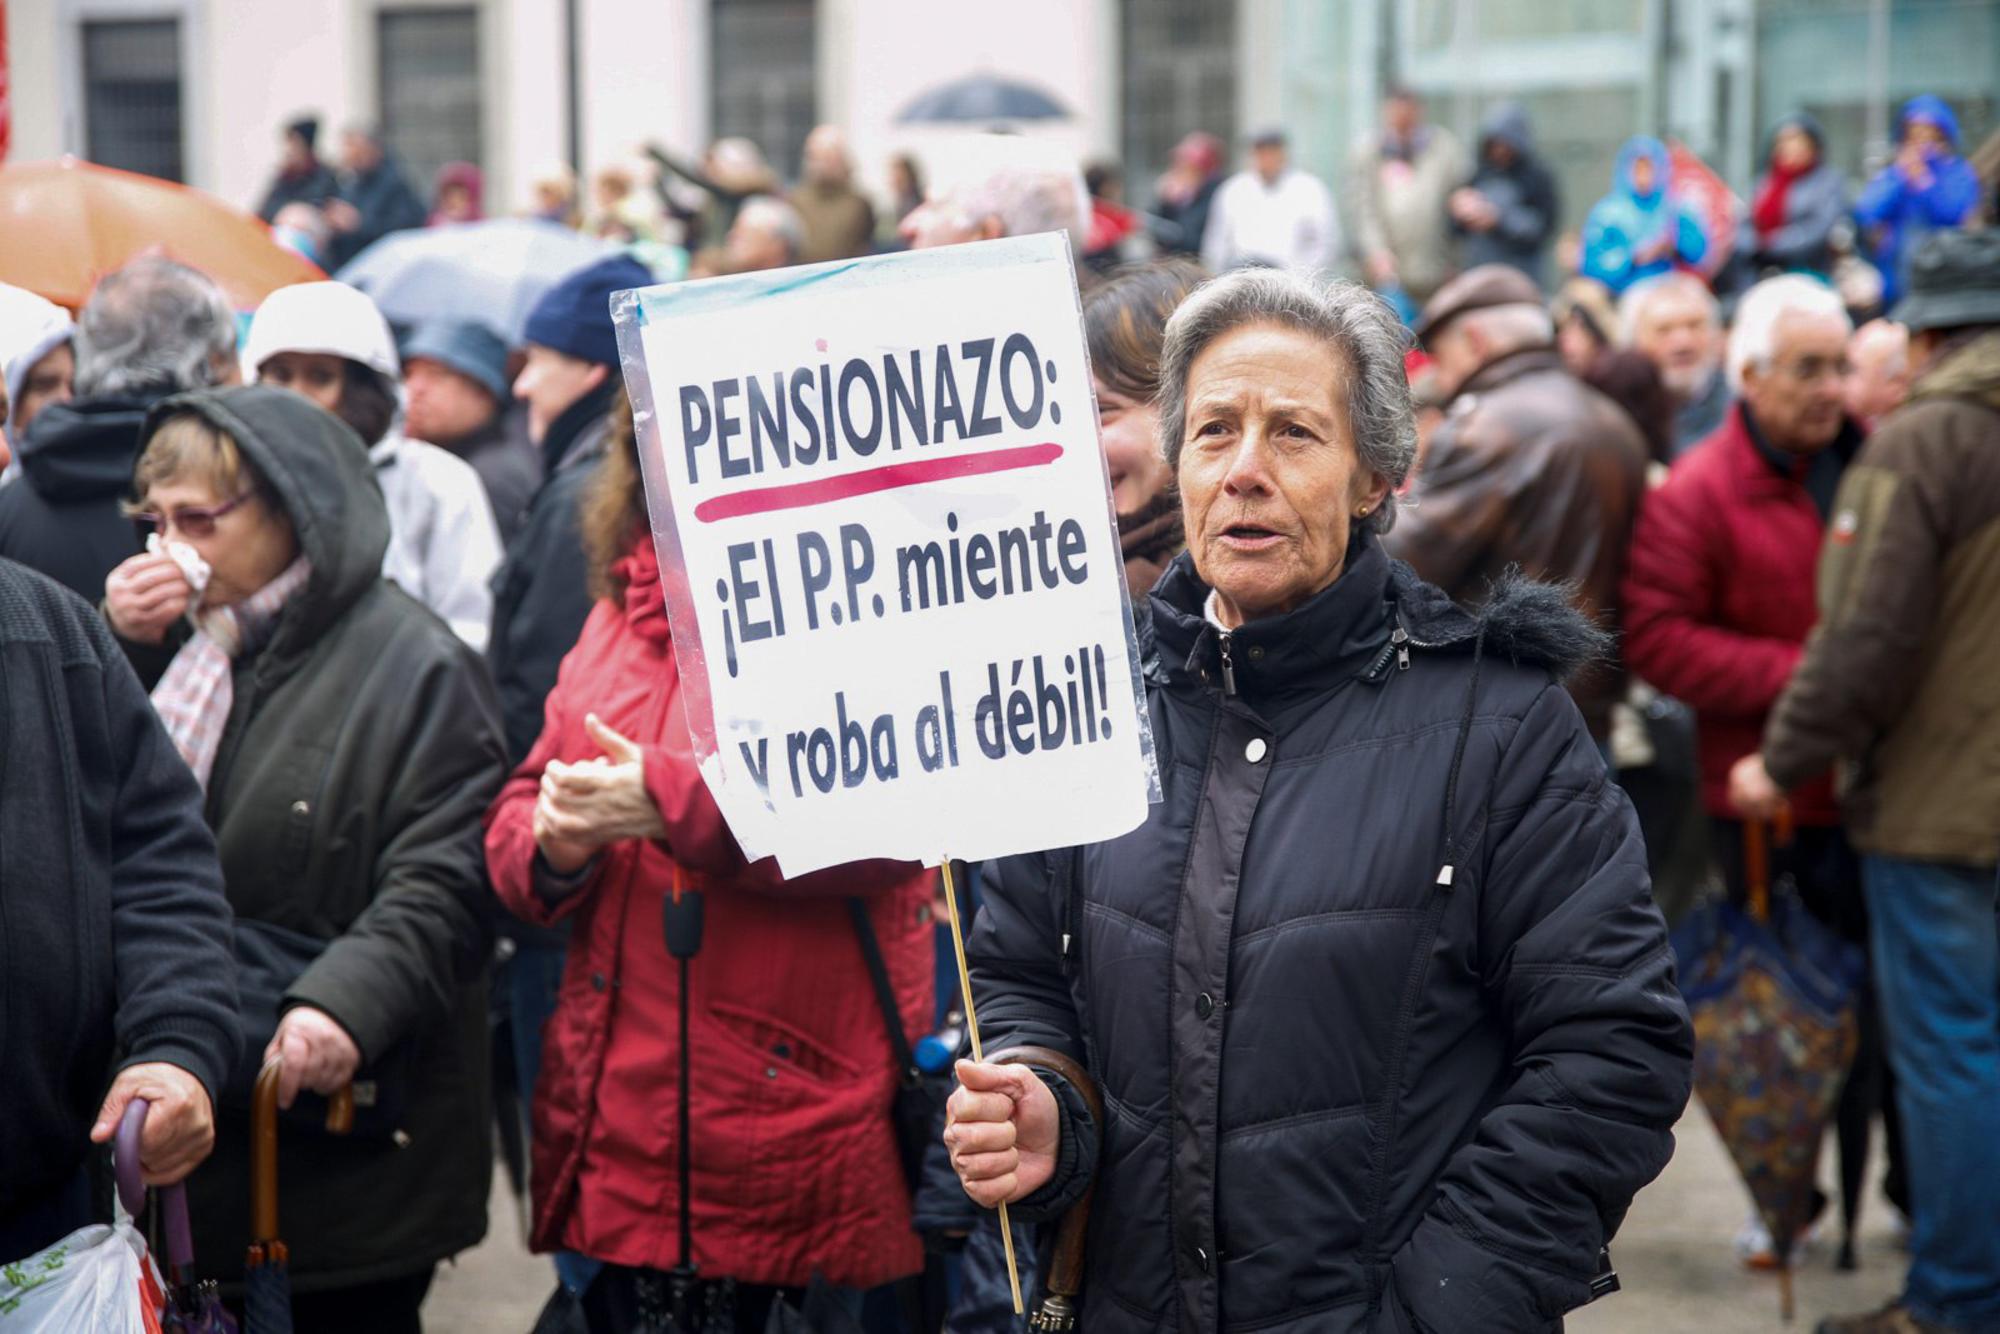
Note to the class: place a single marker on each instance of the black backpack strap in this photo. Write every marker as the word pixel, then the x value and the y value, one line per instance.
pixel 885 993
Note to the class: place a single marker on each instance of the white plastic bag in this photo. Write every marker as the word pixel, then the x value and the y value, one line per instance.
pixel 98 1279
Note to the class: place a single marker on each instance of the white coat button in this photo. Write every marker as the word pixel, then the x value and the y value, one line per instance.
pixel 1256 750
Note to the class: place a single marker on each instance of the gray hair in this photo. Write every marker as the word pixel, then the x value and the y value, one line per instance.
pixel 1354 321
pixel 768 213
pixel 153 327
pixel 1507 328
pixel 1754 337
pixel 1642 294
pixel 1028 200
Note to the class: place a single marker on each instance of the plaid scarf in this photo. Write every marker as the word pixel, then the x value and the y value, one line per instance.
pixel 194 697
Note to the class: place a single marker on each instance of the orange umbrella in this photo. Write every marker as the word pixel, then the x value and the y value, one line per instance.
pixel 65 224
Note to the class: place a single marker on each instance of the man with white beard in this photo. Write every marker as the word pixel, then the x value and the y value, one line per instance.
pixel 1674 322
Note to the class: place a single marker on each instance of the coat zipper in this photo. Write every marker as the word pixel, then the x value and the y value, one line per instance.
pixel 1228 664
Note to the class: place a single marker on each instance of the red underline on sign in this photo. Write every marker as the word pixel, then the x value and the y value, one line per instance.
pixel 799 495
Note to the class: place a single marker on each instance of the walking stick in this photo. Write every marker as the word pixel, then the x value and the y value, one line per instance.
pixel 681 915
pixel 1063 1274
pixel 972 1032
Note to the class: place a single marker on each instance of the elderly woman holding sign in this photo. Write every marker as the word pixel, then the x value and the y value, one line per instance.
pixel 1380 1006
pixel 774 1032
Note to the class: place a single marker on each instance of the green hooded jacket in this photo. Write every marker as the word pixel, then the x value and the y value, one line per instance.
pixel 362 749
pixel 1899 682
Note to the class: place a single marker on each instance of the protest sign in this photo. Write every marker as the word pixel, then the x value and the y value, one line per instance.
pixel 891 565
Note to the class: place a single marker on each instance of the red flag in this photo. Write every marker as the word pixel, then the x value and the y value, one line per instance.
pixel 1711 201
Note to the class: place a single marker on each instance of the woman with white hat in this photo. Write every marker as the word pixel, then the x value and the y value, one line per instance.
pixel 328 342
pixel 35 356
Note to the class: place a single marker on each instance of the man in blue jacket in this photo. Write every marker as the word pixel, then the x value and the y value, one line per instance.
pixel 1929 186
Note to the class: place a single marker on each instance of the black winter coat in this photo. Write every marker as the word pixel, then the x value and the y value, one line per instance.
pixel 361 752
pixel 1382 1010
pixel 1524 193
pixel 386 204
pixel 541 592
pixel 114 935
pixel 61 515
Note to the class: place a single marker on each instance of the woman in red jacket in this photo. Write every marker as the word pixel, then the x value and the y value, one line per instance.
pixel 795 1169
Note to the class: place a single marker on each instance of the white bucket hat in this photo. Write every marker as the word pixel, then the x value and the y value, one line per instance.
pixel 326 317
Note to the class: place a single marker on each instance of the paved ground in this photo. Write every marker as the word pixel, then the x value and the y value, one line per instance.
pixel 1673 1255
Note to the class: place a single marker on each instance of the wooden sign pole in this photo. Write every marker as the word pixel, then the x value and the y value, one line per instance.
pixel 978 1054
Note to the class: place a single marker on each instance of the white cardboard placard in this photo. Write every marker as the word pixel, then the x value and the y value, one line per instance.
pixel 906 636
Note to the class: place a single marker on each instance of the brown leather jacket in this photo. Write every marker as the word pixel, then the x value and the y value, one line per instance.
pixel 1534 468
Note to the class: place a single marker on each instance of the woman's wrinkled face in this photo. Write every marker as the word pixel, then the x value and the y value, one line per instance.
pixel 1269 477
pixel 319 376
pixel 247 548
pixel 1130 431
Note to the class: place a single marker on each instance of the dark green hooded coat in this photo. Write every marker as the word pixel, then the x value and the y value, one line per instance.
pixel 362 749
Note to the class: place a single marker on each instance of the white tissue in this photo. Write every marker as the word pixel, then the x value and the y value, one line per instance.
pixel 193 568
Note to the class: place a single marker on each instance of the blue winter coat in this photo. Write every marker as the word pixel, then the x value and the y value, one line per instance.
pixel 1902 213
pixel 1625 222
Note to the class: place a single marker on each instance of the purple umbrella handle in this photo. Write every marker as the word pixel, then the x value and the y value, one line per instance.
pixel 180 1237
pixel 125 1156
pixel 132 1185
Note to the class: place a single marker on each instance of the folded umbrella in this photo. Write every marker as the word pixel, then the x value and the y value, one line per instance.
pixel 67 223
pixel 267 1278
pixel 489 273
pixel 192 1307
pixel 1772 992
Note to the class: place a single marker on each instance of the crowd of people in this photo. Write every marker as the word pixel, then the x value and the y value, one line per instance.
pixel 335 671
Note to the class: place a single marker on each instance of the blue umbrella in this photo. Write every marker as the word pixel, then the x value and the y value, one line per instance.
pixel 489 273
pixel 983 97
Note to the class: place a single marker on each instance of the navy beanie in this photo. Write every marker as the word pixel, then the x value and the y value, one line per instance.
pixel 574 316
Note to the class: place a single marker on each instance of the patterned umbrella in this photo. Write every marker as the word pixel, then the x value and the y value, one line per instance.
pixel 1772 992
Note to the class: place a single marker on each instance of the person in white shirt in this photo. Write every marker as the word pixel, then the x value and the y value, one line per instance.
pixel 1273 215
pixel 328 342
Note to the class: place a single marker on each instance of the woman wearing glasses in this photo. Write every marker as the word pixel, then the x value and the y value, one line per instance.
pixel 348 744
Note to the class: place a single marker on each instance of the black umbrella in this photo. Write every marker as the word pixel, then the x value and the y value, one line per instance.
pixel 982 97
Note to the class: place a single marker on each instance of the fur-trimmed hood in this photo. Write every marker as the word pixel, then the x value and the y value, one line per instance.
pixel 1339 632
pixel 1526 621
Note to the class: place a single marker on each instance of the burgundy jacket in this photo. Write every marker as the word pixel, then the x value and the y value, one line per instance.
pixel 1719 601
pixel 795 1164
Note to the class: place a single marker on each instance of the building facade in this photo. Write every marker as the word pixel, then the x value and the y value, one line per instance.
pixel 199 89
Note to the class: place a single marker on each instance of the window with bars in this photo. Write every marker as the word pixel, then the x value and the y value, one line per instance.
pixel 132 95
pixel 1179 75
pixel 761 76
pixel 428 66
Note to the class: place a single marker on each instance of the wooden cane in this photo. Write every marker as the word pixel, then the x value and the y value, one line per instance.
pixel 978 1054
pixel 1757 870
